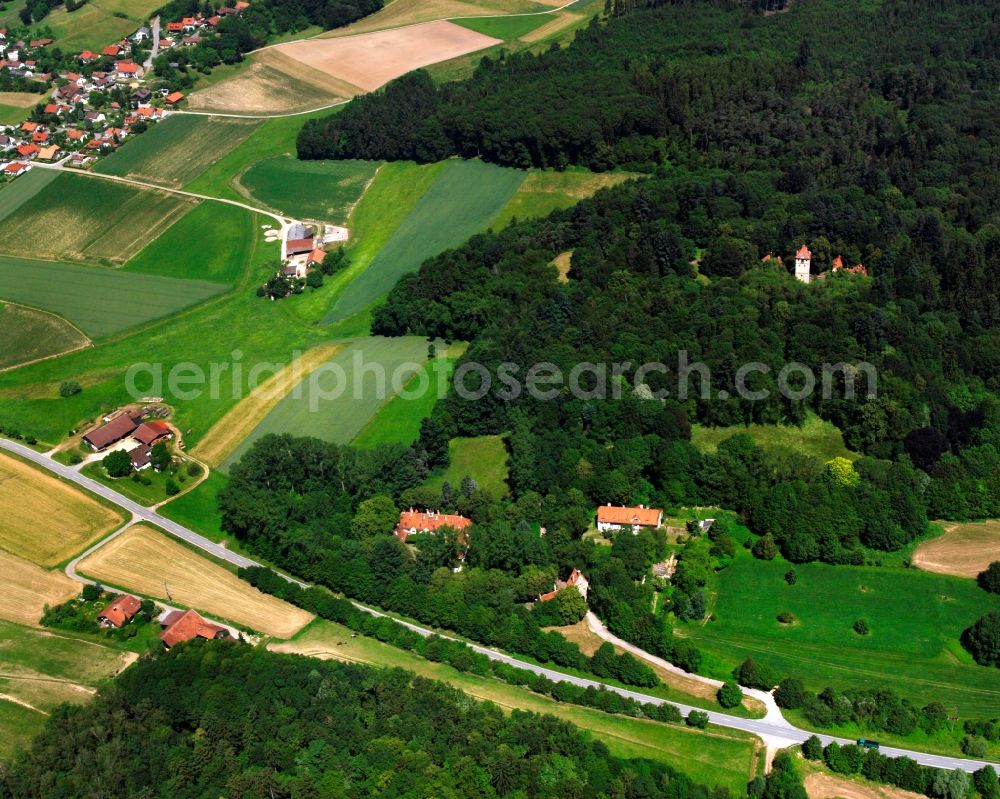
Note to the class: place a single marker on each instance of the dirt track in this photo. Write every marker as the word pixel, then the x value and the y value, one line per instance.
pixel 964 550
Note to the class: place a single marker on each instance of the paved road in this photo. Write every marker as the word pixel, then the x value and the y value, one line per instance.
pixel 155 37
pixel 769 730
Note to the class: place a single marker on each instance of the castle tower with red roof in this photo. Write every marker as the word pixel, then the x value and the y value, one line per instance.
pixel 803 263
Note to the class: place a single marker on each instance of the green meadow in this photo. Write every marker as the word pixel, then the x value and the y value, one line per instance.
pixel 28 334
pixel 915 620
pixel 506 28
pixel 321 190
pixel 815 437
pixel 98 301
pixel 211 242
pixel 16 193
pixel 339 398
pixel 460 203
pixel 483 458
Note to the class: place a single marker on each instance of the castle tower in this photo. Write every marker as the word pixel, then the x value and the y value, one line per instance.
pixel 803 261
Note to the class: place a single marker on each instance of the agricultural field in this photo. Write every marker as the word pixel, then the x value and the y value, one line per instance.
pixel 337 400
pixel 370 60
pixel 16 193
pixel 558 24
pixel 144 560
pixel 915 620
pixel 460 203
pixel 325 191
pixel 544 191
pixel 505 28
pixel 89 220
pixel 816 437
pixel 410 12
pixel 270 83
pixel 98 301
pixel 97 23
pixel 29 335
pixel 963 550
pixel 175 151
pixel 28 588
pixel 484 459
pixel 40 670
pixel 47 520
pixel 398 420
pixel 199 508
pixel 718 757
pixel 213 242
pixel 233 428
pixel 15 106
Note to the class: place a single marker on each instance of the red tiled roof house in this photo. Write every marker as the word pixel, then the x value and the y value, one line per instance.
pixel 120 612
pixel 186 625
pixel 614 517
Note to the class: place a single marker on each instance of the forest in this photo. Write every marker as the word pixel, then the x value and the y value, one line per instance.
pixel 225 719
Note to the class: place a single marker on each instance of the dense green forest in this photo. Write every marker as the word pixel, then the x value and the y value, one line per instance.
pixel 216 719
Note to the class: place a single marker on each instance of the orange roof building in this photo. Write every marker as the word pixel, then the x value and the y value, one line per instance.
pixel 120 612
pixel 575 580
pixel 414 521
pixel 149 433
pixel 615 517
pixel 186 625
pixel 174 97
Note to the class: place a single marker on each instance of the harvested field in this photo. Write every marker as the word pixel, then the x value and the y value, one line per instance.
pixel 94 221
pixel 28 588
pixel 29 335
pixel 263 88
pixel 143 560
pixel 240 421
pixel 175 151
pixel 20 99
pixel 45 519
pixel 820 785
pixel 372 60
pixel 410 12
pixel 964 550
pixel 559 22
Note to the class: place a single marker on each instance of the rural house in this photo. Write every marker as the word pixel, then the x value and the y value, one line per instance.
pixel 111 433
pixel 120 612
pixel 15 168
pixel 140 457
pixel 186 625
pixel 614 518
pixel 150 433
pixel 575 579
pixel 411 522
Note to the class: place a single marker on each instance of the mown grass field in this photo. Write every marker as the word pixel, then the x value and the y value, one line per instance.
pixel 963 550
pixel 28 588
pixel 715 757
pixel 47 520
pixel 143 560
pixel 460 203
pixel 199 508
pixel 410 12
pixel 544 191
pixel 90 220
pixel 98 301
pixel 336 401
pixel 95 24
pixel 915 620
pixel 28 335
pixel 322 190
pixel 174 151
pixel 483 458
pixel 506 28
pixel 398 420
pixel 816 437
pixel 212 242
pixel 16 193
pixel 40 670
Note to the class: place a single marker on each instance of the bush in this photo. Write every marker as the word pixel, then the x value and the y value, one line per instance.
pixel 791 577
pixel 69 388
pixel 812 748
pixel 729 695
pixel 698 719
pixel 989 578
pixel 90 593
pixel 974 746
pixel 754 675
pixel 785 617
pixel 986 782
pixel 117 464
pixel 172 488
pixel 982 640
pixel 765 548
pixel 860 627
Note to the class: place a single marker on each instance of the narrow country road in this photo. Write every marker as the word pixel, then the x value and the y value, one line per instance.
pixel 154 24
pixel 774 733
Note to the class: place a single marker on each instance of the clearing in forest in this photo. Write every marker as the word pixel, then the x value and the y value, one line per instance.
pixel 45 519
pixel 144 560
pixel 964 550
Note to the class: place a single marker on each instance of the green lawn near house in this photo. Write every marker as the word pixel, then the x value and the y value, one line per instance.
pixel 325 191
pixel 483 458
pixel 915 620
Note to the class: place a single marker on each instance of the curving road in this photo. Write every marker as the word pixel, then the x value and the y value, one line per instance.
pixel 776 733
